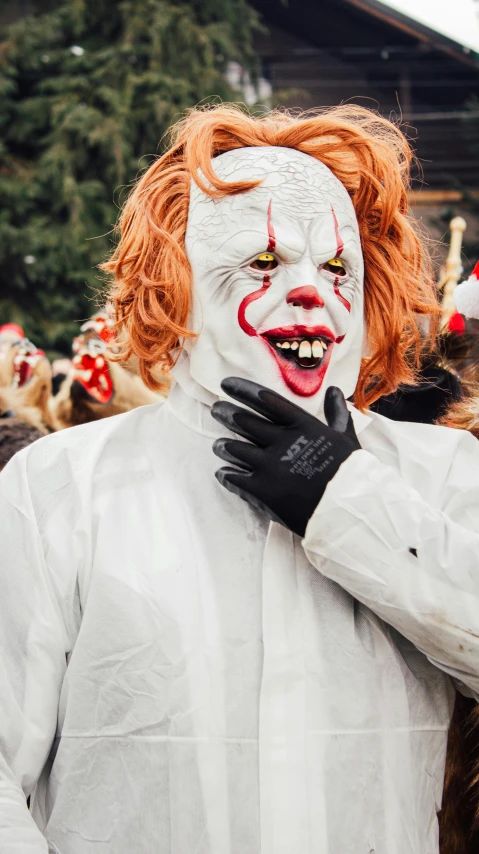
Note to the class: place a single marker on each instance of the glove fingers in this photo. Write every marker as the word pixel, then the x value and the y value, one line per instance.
pixel 240 453
pixel 244 423
pixel 338 415
pixel 335 410
pixel 268 403
pixel 234 480
pixel 239 483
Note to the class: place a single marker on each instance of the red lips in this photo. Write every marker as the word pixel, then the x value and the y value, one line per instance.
pixel 303 381
pixel 298 331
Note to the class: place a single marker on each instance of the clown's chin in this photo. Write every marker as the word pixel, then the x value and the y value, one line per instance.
pixel 303 364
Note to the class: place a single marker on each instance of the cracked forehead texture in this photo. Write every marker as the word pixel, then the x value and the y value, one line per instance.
pixel 304 187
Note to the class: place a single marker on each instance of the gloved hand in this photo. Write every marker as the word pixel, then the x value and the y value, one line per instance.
pixel 293 456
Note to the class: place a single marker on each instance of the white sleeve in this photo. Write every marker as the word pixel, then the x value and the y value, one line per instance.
pixel 33 647
pixel 361 536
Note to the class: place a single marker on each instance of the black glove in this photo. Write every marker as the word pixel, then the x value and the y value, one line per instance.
pixel 293 456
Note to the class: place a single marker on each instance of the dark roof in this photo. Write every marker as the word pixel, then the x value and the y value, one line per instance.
pixel 416 29
pixel 316 53
pixel 346 23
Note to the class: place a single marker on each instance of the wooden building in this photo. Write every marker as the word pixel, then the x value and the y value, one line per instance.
pixel 322 52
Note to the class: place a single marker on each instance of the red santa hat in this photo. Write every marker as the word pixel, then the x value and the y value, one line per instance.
pixel 11 332
pixel 466 295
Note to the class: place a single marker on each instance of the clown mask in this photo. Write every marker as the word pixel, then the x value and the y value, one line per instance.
pixel 90 368
pixel 278 278
pixel 25 362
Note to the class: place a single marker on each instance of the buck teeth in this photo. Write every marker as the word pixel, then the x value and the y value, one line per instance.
pixel 307 349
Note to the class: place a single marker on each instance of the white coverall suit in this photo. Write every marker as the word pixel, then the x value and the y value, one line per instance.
pixel 181 676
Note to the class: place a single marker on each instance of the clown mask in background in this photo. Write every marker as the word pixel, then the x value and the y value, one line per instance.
pixel 278 279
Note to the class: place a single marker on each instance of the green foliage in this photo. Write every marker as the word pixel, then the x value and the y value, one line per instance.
pixel 86 90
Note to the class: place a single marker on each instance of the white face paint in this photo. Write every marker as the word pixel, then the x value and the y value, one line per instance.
pixel 266 303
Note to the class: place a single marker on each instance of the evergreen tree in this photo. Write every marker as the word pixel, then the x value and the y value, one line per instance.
pixel 86 90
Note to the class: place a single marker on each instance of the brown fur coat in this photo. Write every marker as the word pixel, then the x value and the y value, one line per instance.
pixel 459 817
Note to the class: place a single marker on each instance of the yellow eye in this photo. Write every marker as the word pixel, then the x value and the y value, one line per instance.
pixel 336 266
pixel 265 262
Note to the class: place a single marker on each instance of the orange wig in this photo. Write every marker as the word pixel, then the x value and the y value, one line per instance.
pixel 370 156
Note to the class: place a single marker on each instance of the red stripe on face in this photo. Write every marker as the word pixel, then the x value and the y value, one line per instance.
pixel 339 295
pixel 339 242
pixel 271 234
pixel 245 326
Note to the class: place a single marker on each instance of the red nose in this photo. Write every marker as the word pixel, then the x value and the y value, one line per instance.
pixel 307 297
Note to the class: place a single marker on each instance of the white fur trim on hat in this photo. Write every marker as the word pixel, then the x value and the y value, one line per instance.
pixel 466 295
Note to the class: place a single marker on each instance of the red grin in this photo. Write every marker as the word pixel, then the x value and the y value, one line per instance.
pixel 303 354
pixel 91 372
pixel 25 362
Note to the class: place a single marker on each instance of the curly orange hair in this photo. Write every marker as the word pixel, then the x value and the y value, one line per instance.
pixel 368 154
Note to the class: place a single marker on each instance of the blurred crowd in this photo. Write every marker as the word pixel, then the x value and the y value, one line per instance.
pixel 39 397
